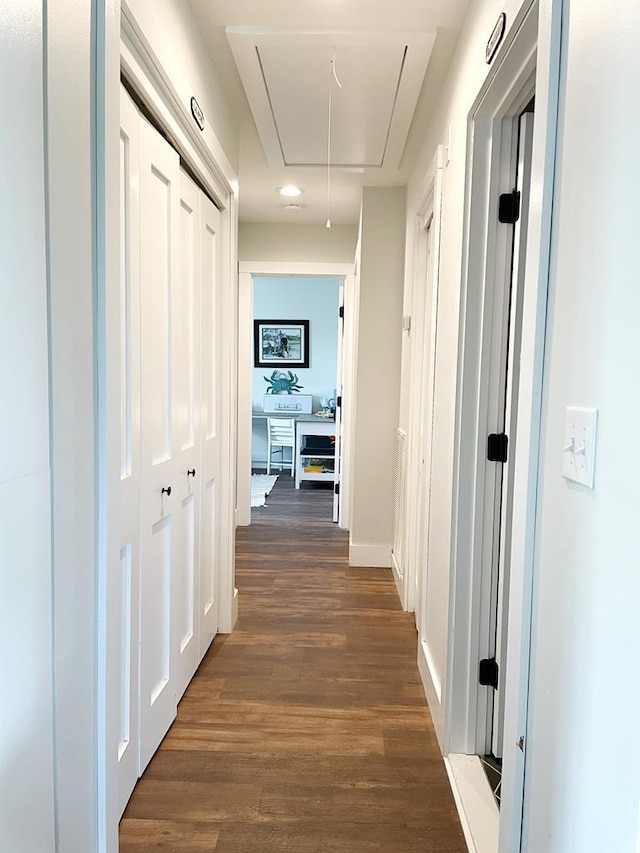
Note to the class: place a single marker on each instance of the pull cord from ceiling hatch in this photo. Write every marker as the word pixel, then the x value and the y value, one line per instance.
pixel 332 76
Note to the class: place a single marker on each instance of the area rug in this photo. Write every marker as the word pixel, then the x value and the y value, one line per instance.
pixel 261 485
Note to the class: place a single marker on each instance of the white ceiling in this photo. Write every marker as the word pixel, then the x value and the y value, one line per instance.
pixel 283 50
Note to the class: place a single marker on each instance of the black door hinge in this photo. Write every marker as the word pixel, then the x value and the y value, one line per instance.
pixel 338 402
pixel 497 447
pixel 341 312
pixel 488 672
pixel 336 488
pixel 509 207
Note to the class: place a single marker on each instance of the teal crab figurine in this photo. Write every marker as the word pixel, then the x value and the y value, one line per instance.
pixel 282 383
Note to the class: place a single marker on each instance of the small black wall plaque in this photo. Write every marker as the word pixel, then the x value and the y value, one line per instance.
pixel 496 37
pixel 197 113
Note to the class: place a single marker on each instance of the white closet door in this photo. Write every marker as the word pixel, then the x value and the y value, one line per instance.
pixel 126 632
pixel 186 314
pixel 159 264
pixel 211 367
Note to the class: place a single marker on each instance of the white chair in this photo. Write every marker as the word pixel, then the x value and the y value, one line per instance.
pixel 281 433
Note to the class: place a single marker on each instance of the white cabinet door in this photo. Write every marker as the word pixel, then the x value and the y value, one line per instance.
pixel 186 314
pixel 160 521
pixel 211 367
pixel 125 633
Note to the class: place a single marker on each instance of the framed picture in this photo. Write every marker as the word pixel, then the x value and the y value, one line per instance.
pixel 281 343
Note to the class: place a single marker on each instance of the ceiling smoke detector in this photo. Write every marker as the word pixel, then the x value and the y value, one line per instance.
pixel 293 205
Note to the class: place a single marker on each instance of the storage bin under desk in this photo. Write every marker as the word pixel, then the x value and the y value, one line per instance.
pixel 313 442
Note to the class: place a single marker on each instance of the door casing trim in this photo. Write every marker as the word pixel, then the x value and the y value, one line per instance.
pixel 529 61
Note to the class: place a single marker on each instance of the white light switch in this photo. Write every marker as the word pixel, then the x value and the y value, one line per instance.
pixel 579 445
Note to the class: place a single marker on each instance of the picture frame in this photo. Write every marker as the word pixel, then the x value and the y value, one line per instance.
pixel 281 343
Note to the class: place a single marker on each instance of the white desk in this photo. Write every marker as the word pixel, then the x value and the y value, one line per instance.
pixel 307 425
pixel 259 436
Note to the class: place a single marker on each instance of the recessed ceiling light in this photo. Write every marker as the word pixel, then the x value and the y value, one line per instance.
pixel 293 205
pixel 290 191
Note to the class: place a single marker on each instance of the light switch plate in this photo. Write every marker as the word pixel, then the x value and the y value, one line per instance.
pixel 579 445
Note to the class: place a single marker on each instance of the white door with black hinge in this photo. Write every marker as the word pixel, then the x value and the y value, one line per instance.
pixel 511 383
pixel 210 282
pixel 186 401
pixel 160 517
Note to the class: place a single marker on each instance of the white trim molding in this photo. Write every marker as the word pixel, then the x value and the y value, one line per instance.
pixel 247 271
pixel 143 70
pixel 477 808
pixel 247 43
pixel 294 268
pixel 425 277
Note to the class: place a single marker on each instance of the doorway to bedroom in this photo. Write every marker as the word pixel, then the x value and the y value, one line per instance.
pixel 295 386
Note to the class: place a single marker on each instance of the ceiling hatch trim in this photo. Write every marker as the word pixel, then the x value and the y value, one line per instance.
pixel 286 75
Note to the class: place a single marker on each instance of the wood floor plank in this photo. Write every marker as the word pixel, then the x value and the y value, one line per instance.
pixel 167 836
pixel 306 729
pixel 269 838
pixel 195 801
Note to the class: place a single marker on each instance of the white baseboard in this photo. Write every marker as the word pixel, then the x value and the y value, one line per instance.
pixel 371 556
pixel 432 689
pixel 398 578
pixel 243 515
pixel 477 808
pixel 234 613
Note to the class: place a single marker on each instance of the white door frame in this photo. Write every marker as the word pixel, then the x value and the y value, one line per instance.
pixel 247 271
pixel 424 304
pixel 127 49
pixel 530 59
pixel 510 384
pixel 338 511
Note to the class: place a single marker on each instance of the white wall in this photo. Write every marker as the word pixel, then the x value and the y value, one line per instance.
pixel 448 126
pixel 173 34
pixel 305 298
pixel 381 272
pixel 314 299
pixel 305 243
pixel 582 787
pixel 70 156
pixel 582 782
pixel 26 708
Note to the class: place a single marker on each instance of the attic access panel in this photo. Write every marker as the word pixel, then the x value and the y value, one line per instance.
pixel 286 77
pixel 297 84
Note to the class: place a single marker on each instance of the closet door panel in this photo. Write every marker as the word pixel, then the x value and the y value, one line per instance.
pixel 210 362
pixel 160 524
pixel 187 400
pixel 208 579
pixel 157 270
pixel 125 633
pixel 188 308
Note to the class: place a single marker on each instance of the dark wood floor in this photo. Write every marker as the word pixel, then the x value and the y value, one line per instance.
pixel 306 730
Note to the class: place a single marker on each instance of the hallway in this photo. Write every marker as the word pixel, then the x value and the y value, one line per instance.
pixel 306 729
